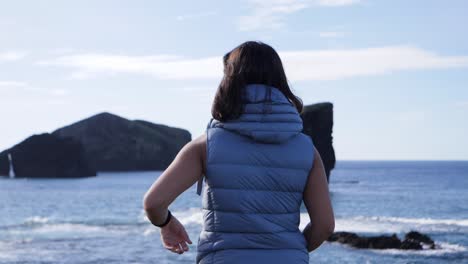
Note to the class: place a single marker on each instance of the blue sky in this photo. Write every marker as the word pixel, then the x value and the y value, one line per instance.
pixel 396 71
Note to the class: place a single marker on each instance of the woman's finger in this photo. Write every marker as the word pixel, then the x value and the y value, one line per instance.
pixel 172 247
pixel 180 250
pixel 175 249
pixel 184 246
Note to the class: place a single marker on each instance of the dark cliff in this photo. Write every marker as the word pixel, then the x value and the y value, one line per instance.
pixel 107 142
pixel 113 143
pixel 318 124
pixel 47 155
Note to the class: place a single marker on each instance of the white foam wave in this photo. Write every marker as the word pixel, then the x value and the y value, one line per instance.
pixel 443 249
pixel 60 228
pixel 365 224
pixel 43 227
pixel 36 220
pixel 150 230
pixel 187 217
pixel 379 224
pixel 359 224
pixel 190 216
pixel 424 221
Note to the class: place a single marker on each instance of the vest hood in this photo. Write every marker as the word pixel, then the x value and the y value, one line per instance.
pixel 267 117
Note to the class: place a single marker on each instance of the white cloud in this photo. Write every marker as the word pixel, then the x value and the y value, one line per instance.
pixel 270 14
pixel 23 86
pixel 12 55
pixel 9 84
pixel 161 66
pixel 305 65
pixel 337 2
pixel 344 63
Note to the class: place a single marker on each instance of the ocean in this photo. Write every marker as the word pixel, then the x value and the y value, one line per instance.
pixel 100 219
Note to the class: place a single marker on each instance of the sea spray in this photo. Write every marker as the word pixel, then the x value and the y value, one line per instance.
pixel 11 172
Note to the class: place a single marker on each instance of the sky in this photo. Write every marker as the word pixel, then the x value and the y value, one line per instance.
pixel 396 71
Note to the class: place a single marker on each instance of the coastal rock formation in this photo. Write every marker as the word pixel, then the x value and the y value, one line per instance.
pixel 413 240
pixel 107 142
pixel 47 155
pixel 416 240
pixel 318 124
pixel 113 143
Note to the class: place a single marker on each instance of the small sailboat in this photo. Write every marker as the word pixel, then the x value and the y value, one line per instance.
pixel 12 170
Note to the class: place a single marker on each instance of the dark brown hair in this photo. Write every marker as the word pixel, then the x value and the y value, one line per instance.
pixel 252 62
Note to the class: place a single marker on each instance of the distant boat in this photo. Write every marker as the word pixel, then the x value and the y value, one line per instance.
pixel 12 170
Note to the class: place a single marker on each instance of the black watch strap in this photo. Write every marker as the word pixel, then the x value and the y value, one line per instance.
pixel 168 218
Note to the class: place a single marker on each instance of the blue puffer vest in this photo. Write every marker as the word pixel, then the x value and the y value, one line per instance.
pixel 256 170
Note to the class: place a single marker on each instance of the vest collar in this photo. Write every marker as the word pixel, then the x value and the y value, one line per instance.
pixel 267 117
pixel 260 93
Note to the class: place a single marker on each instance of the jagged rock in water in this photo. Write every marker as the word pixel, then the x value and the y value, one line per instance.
pixel 47 155
pixel 421 239
pixel 376 242
pixel 416 236
pixel 318 124
pixel 113 143
pixel 383 242
pixel 410 244
pixel 413 240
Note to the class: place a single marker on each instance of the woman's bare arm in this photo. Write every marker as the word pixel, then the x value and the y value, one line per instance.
pixel 184 171
pixel 318 204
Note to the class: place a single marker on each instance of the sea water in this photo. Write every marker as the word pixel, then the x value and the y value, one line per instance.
pixel 100 219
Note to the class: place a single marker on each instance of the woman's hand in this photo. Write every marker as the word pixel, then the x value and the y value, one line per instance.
pixel 174 236
pixel 185 170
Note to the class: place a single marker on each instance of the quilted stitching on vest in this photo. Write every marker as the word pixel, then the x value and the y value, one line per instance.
pixel 257 168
